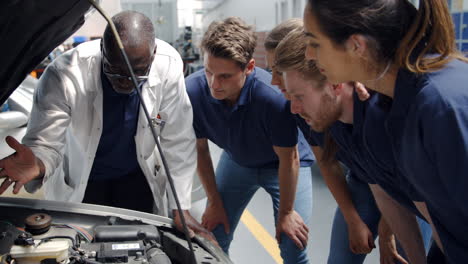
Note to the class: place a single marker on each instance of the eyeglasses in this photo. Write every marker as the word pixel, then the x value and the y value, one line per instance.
pixel 115 76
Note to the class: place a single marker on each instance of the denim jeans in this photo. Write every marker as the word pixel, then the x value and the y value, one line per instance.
pixel 237 185
pixel 366 207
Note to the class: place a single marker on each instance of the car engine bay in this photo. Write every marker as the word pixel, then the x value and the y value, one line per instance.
pixel 49 233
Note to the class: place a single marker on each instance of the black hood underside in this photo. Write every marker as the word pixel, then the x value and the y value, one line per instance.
pixel 29 31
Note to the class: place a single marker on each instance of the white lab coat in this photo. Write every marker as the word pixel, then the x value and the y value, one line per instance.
pixel 66 124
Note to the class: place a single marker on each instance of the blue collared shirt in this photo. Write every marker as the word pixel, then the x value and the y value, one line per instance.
pixel 370 116
pixel 428 127
pixel 116 153
pixel 368 153
pixel 347 138
pixel 248 130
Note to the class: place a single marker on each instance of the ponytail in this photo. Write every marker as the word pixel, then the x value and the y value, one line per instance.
pixel 432 32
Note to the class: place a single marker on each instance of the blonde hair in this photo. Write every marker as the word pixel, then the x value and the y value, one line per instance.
pixel 290 56
pixel 279 32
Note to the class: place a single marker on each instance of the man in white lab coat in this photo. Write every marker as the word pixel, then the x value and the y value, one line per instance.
pixel 88 139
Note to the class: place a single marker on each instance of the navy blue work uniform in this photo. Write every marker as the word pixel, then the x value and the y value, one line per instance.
pixel 247 132
pixel 370 162
pixel 376 150
pixel 366 153
pixel 116 178
pixel 361 195
pixel 305 129
pixel 428 128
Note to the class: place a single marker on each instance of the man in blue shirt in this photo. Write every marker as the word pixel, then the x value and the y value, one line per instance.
pixel 236 108
pixel 337 111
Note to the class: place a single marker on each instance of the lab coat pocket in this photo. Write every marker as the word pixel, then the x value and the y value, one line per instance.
pixel 58 189
pixel 65 186
pixel 149 143
pixel 160 179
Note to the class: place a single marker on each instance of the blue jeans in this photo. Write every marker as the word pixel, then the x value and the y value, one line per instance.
pixel 237 184
pixel 366 207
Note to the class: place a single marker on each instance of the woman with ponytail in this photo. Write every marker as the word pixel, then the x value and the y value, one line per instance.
pixel 409 55
pixel 356 220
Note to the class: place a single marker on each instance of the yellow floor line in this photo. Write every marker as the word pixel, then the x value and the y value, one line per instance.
pixel 259 232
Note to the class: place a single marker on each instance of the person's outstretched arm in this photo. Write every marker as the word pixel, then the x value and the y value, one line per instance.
pixel 361 240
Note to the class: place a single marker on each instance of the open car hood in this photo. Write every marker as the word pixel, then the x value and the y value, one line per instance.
pixel 29 31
